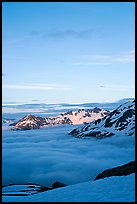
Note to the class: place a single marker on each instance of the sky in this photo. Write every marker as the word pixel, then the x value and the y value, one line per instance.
pixel 67 52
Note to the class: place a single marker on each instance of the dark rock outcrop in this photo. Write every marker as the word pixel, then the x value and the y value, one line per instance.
pixel 123 170
pixel 23 189
pixel 28 189
pixel 58 184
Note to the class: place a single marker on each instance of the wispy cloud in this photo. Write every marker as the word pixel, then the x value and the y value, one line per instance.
pixel 34 33
pixel 92 63
pixel 36 87
pixel 53 34
pixel 71 33
pixel 126 57
pixel 117 87
pixel 61 34
pixel 35 100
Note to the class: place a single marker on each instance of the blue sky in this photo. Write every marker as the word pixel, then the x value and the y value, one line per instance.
pixel 67 52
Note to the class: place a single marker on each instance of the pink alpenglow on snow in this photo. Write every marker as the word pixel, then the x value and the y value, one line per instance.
pixel 72 118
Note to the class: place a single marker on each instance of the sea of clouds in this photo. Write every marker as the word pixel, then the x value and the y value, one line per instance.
pixel 47 155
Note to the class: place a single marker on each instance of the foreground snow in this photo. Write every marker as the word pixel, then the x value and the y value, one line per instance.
pixel 113 189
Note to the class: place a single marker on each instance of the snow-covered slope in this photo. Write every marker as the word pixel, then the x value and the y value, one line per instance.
pixel 119 121
pixel 112 189
pixel 78 117
pixel 7 121
pixel 71 117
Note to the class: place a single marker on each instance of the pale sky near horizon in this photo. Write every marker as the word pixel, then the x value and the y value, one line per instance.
pixel 71 52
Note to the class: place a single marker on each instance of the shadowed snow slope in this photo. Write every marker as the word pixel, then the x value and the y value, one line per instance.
pixel 114 189
pixel 120 121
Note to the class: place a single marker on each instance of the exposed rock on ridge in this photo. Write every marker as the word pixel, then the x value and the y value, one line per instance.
pixel 71 117
pixel 29 122
pixel 28 189
pixel 119 121
pixel 123 170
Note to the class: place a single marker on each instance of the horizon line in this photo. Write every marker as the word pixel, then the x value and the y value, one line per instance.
pixel 29 103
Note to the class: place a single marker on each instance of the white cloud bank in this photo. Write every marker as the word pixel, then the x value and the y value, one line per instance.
pixel 35 86
pixel 47 155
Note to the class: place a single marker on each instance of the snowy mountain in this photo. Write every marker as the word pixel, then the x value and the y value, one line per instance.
pixel 78 117
pixel 72 117
pixel 34 160
pixel 29 122
pixel 7 121
pixel 119 121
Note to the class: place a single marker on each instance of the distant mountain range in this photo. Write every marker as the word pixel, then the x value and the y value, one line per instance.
pixel 119 121
pixel 72 117
pixel 64 106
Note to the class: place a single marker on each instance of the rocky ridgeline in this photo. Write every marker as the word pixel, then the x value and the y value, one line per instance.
pixel 29 122
pixel 119 121
pixel 28 189
pixel 122 170
pixel 71 117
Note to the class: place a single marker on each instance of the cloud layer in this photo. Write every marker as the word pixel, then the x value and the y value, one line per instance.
pixel 47 155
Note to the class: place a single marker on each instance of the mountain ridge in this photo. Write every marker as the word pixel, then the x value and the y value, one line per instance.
pixel 71 117
pixel 121 120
